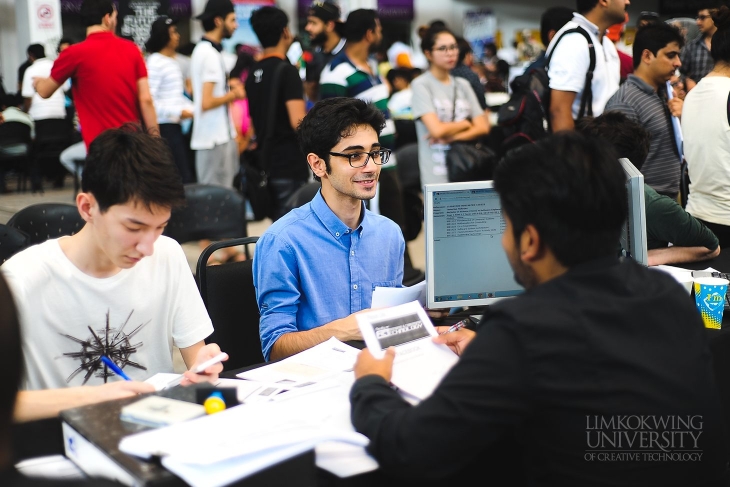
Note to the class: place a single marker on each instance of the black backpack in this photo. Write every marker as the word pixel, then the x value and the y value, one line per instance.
pixel 525 117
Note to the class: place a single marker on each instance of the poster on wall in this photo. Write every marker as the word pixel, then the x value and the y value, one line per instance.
pixel 480 28
pixel 245 34
pixel 136 17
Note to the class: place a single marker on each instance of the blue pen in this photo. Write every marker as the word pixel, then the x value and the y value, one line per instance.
pixel 114 367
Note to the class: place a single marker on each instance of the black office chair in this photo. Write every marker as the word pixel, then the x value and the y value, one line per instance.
pixel 230 298
pixel 303 195
pixel 211 213
pixel 52 136
pixel 12 241
pixel 410 179
pixel 43 221
pixel 15 150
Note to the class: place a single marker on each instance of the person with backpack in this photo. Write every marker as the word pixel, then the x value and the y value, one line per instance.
pixel 574 90
pixel 445 107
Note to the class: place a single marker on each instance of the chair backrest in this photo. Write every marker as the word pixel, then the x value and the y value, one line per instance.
pixel 12 133
pixel 47 220
pixel 230 298
pixel 12 241
pixel 211 212
pixel 52 131
pixel 303 195
pixel 410 178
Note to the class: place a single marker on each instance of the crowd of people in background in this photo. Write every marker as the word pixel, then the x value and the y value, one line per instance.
pixel 219 110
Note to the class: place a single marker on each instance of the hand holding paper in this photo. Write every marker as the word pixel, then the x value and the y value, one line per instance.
pixel 418 362
pixel 366 364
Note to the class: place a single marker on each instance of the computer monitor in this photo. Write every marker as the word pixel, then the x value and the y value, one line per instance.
pixel 633 233
pixel 465 262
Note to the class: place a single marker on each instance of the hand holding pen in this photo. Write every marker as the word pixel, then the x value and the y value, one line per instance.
pixel 456 337
pixel 456 326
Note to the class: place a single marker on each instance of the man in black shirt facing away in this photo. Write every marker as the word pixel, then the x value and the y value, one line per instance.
pixel 600 371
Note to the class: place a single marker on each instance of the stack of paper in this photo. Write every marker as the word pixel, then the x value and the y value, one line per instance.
pixel 291 406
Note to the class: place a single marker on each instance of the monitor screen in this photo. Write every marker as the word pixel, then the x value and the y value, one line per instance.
pixel 465 262
pixel 633 233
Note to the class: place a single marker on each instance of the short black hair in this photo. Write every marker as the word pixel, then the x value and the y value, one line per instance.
pixel 571 189
pixel 553 18
pixel 37 51
pixel 655 37
pixel 585 6
pixel 405 73
pixel 269 23
pixel 464 49
pixel 331 119
pixel 128 164
pixel 358 23
pixel 720 50
pixel 64 40
pixel 93 11
pixel 11 358
pixel 629 138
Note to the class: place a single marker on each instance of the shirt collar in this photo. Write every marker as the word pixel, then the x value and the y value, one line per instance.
pixel 641 84
pixel 586 24
pixel 331 222
pixel 218 46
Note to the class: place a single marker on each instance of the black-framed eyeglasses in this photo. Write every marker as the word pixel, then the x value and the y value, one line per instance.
pixel 703 17
pixel 452 47
pixel 361 159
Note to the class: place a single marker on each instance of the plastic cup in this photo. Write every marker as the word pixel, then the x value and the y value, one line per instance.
pixel 710 299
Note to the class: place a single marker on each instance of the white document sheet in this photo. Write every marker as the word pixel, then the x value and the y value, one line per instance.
pixel 321 362
pixel 50 467
pixel 384 297
pixel 419 363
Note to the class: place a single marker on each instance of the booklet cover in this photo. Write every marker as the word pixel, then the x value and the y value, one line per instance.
pixel 419 363
pixel 160 411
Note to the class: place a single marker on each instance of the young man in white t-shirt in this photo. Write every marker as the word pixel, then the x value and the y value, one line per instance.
pixel 117 288
pixel 570 59
pixel 213 136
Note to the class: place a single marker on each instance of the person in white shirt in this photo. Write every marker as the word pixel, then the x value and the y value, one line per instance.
pixel 117 288
pixel 167 88
pixel 39 108
pixel 214 135
pixel 570 61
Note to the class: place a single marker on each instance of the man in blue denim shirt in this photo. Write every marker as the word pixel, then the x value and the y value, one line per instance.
pixel 317 266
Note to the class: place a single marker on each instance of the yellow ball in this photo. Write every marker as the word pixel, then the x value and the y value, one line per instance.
pixel 214 403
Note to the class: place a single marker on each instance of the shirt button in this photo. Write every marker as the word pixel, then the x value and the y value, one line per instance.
pixel 352 252
pixel 354 287
pixel 337 234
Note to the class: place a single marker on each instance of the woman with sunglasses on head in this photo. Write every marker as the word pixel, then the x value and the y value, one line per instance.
pixel 445 108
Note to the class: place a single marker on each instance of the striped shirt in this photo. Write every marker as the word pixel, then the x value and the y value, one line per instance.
pixel 166 87
pixel 342 78
pixel 696 59
pixel 641 103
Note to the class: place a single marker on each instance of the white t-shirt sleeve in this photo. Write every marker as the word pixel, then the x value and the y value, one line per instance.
pixel 27 89
pixel 191 322
pixel 569 64
pixel 212 70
